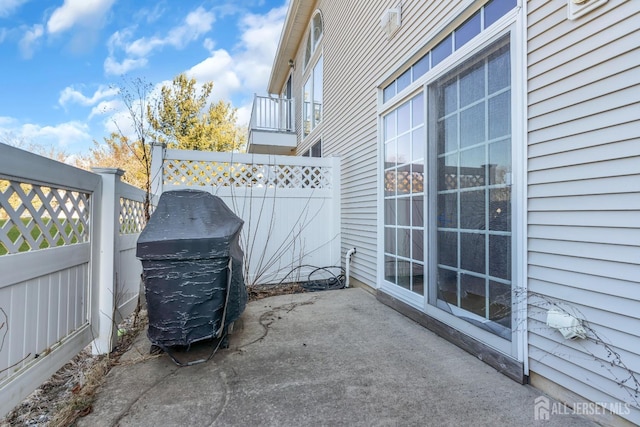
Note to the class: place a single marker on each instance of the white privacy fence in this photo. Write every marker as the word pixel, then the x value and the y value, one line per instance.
pixel 68 271
pixel 121 222
pixel 131 221
pixel 290 206
pixel 67 265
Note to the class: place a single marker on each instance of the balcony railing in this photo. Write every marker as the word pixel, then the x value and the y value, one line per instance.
pixel 272 128
pixel 274 114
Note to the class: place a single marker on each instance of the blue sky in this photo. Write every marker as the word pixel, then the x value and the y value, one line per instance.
pixel 61 61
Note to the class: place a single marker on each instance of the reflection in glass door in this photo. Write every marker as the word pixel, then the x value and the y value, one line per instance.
pixel 470 121
pixel 404 136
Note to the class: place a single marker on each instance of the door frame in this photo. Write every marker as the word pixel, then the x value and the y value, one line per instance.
pixel 514 24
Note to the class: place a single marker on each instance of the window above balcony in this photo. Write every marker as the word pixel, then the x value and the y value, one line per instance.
pixel 312 99
pixel 313 37
pixel 312 76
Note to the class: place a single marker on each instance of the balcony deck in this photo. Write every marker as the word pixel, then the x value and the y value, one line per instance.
pixel 272 126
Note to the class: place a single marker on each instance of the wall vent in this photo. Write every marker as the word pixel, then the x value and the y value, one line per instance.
pixel 391 20
pixel 577 8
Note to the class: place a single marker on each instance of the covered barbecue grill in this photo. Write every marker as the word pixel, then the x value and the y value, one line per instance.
pixel 192 268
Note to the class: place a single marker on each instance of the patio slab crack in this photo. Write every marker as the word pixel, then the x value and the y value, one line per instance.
pixel 269 317
pixel 130 405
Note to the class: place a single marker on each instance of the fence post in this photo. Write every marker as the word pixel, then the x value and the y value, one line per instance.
pixel 336 200
pixel 158 151
pixel 107 279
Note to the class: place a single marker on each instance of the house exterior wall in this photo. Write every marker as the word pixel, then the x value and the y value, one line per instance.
pixel 357 55
pixel 584 196
pixel 582 169
pixel 359 58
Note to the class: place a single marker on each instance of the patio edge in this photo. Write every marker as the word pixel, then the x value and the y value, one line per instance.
pixel 503 364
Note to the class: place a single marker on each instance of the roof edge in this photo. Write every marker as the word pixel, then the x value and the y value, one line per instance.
pixel 286 44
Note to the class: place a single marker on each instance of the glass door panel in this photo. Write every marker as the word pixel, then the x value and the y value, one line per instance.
pixel 404 186
pixel 470 118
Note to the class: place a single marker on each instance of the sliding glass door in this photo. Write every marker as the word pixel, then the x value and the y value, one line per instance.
pixel 470 190
pixel 447 178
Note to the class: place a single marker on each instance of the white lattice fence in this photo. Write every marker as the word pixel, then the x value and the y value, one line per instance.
pixel 290 205
pixel 236 174
pixel 131 219
pixel 34 217
pixel 132 216
pixel 46 235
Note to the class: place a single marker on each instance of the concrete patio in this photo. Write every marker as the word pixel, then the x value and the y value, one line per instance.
pixel 328 358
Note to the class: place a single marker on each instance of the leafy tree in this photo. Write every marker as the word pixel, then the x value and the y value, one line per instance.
pixel 136 96
pixel 118 151
pixel 182 118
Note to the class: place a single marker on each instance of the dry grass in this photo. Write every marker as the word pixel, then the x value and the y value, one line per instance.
pixel 258 292
pixel 69 393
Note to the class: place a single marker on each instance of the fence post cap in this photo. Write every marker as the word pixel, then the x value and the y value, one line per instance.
pixel 108 171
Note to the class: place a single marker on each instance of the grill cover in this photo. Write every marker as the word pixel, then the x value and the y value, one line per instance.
pixel 185 250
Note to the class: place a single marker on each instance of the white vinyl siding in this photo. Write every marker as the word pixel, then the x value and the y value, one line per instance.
pixel 349 125
pixel 583 166
pixel 574 161
pixel 584 196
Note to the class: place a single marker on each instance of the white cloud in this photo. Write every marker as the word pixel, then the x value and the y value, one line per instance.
pixel 247 68
pixel 84 13
pixel 219 68
pixel 151 15
pixel 196 24
pixel 7 7
pixel 71 95
pixel 29 39
pixel 260 31
pixel 244 114
pixel 105 107
pixel 118 116
pixel 113 67
pixel 209 44
pixel 61 135
pixel 142 47
pixel 260 37
pixel 7 121
pixel 118 41
pixel 242 71
pixel 120 122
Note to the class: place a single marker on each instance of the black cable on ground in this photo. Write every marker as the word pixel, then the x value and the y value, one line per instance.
pixel 331 283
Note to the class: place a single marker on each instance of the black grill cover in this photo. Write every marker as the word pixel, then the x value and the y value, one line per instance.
pixel 185 250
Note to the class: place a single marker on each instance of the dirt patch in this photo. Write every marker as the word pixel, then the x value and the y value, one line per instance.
pixel 259 292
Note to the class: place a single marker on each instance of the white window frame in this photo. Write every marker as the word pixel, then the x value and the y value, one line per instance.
pixel 315 146
pixel 311 40
pixel 512 23
pixel 310 77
